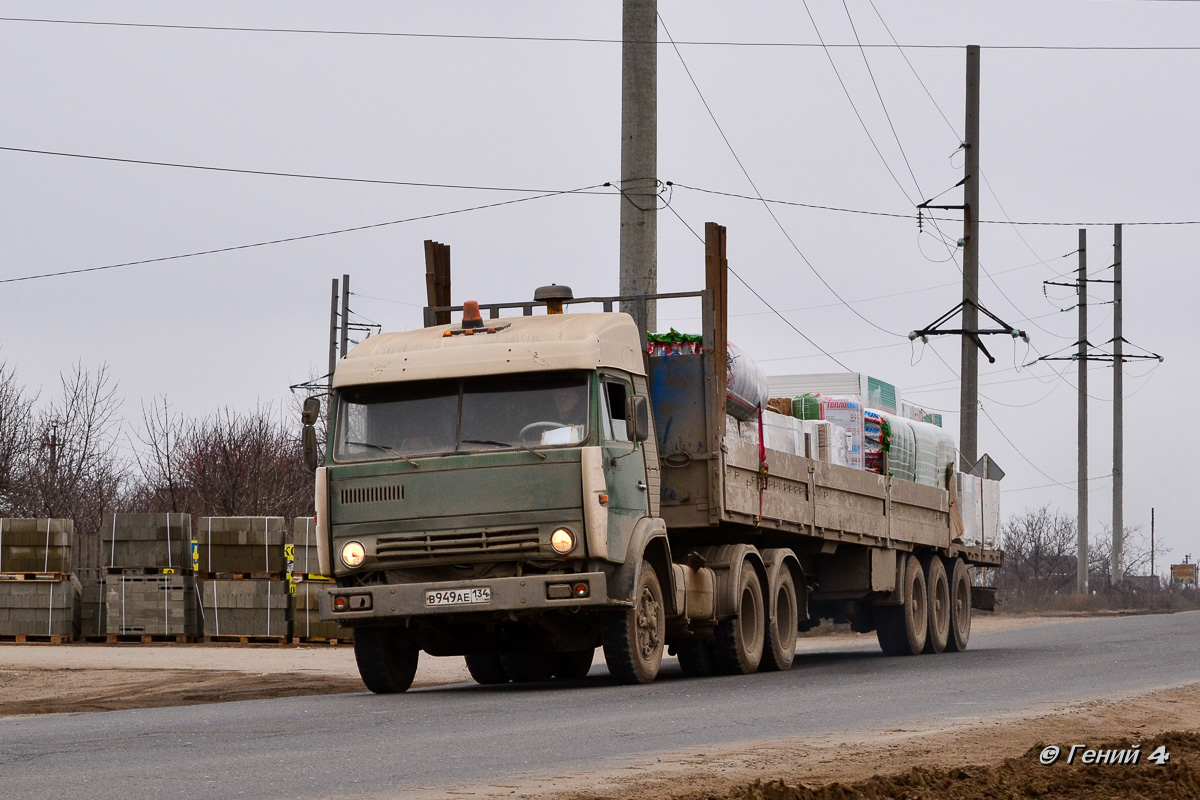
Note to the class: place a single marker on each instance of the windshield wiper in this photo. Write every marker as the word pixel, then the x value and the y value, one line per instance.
pixel 385 448
pixel 542 456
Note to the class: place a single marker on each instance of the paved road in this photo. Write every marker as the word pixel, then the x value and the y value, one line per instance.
pixel 454 736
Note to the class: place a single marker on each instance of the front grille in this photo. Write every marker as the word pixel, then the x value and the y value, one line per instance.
pixel 429 547
pixel 373 494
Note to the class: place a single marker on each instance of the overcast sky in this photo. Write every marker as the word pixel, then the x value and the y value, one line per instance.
pixel 1088 116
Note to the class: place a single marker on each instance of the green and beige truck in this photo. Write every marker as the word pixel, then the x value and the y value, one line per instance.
pixel 523 489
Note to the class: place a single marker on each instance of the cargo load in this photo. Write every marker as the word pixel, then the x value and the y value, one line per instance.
pixel 746 391
pixel 845 411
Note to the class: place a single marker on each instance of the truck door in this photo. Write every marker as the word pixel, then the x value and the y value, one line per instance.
pixel 624 464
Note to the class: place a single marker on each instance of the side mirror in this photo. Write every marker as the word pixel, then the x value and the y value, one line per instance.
pixel 309 441
pixel 311 410
pixel 637 417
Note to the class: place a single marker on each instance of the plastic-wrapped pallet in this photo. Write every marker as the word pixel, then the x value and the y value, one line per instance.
pixel 40 607
pixel 240 544
pixel 745 385
pixel 245 607
pixel 36 545
pixel 845 411
pixel 151 605
pixel 934 452
pixel 155 541
pixel 783 434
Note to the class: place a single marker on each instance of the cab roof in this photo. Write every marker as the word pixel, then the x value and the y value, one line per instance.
pixel 501 346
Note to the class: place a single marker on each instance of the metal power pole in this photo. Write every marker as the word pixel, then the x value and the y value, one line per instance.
pixel 333 331
pixel 968 426
pixel 1116 569
pixel 345 338
pixel 1081 566
pixel 639 155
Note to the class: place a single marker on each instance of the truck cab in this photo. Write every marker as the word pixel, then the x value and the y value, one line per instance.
pixel 484 482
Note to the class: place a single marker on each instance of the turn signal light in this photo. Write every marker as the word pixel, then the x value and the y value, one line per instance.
pixel 341 603
pixel 581 589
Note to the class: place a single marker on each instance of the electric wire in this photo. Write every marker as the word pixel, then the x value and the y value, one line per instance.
pixel 284 240
pixel 581 39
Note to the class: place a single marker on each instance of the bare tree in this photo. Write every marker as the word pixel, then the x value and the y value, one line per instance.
pixel 16 439
pixel 1039 555
pixel 162 486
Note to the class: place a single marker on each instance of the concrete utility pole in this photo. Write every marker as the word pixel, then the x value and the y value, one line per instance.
pixel 345 339
pixel 1116 569
pixel 968 426
pixel 1081 566
pixel 639 155
pixel 333 330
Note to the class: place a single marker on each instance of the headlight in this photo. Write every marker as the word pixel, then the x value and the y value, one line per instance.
pixel 563 541
pixel 353 554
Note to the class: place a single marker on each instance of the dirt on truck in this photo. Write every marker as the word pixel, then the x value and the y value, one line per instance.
pixel 524 489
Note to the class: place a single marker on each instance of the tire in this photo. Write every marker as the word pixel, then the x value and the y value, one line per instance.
pixel 902 629
pixel 738 645
pixel 783 612
pixel 696 658
pixel 386 662
pixel 960 606
pixel 938 586
pixel 486 669
pixel 633 638
pixel 528 667
pixel 573 665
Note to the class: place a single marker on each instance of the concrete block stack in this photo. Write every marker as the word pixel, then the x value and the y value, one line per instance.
pixel 309 583
pixel 151 604
pixel 39 596
pixel 243 587
pixel 92 620
pixel 149 585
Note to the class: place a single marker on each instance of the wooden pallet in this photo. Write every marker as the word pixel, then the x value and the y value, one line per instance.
pixel 34 638
pixel 242 576
pixel 319 640
pixel 138 638
pixel 147 571
pixel 33 576
pixel 234 638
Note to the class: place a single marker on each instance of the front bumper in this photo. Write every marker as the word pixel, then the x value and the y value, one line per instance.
pixel 399 601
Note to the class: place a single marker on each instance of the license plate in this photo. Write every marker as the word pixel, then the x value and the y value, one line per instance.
pixel 458 597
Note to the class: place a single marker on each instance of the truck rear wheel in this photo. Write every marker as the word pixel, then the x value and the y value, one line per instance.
pixel 386 662
pixel 739 641
pixel 633 637
pixel 939 603
pixel 960 607
pixel 902 629
pixel 573 665
pixel 696 658
pixel 528 667
pixel 783 613
pixel 486 668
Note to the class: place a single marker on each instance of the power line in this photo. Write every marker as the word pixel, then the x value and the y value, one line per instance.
pixel 584 39
pixel 737 196
pixel 293 238
pixel 235 170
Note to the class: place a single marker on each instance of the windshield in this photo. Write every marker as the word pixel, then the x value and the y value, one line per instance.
pixel 527 411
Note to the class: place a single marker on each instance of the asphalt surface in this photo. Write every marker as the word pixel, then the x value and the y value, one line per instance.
pixel 462 735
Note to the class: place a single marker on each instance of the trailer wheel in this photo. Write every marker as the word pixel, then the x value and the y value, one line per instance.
pixel 386 662
pixel 902 629
pixel 486 668
pixel 739 641
pixel 573 665
pixel 960 607
pixel 938 586
pixel 696 658
pixel 633 637
pixel 783 614
pixel 528 667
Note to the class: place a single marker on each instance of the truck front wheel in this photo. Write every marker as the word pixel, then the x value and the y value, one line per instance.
pixel 386 662
pixel 486 669
pixel 633 637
